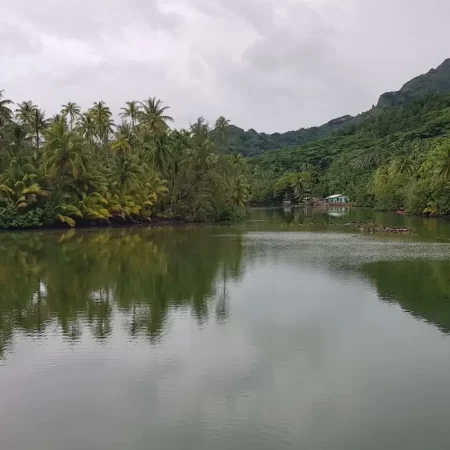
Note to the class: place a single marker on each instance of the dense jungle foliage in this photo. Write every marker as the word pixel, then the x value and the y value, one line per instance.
pixel 395 158
pixel 82 168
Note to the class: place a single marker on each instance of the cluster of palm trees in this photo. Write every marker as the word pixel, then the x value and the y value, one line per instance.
pixel 83 167
pixel 294 186
pixel 417 178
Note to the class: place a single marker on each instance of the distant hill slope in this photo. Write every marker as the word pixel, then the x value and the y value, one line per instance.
pixel 252 143
pixel 348 160
pixel 423 119
pixel 436 81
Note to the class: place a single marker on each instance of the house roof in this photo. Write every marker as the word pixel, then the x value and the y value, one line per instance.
pixel 336 196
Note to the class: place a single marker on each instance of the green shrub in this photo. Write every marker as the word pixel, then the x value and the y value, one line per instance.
pixel 10 218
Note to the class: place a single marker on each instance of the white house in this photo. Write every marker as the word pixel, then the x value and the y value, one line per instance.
pixel 337 198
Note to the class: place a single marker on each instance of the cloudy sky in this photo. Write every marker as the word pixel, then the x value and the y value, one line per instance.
pixel 272 65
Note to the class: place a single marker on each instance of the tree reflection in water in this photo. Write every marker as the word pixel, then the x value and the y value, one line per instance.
pixel 75 281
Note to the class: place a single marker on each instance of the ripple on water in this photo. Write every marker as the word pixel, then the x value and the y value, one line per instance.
pixel 345 249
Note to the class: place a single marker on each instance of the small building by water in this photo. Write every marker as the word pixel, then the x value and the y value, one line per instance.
pixel 338 198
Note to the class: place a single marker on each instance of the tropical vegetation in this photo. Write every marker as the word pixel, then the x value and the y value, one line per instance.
pixel 396 158
pixel 82 168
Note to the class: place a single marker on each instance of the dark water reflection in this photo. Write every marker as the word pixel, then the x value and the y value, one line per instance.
pixel 420 287
pixel 264 335
pixel 338 220
pixel 71 280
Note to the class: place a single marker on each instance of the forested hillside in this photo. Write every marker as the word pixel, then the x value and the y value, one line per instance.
pixel 396 158
pixel 252 143
pixel 82 168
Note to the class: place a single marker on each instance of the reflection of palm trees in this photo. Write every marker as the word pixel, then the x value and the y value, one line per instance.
pixel 78 281
pixel 420 287
pixel 222 300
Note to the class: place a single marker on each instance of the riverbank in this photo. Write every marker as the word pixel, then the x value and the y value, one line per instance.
pixel 153 223
pixel 323 207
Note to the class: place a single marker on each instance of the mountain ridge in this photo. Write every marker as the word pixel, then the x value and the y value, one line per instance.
pixel 252 143
pixel 435 81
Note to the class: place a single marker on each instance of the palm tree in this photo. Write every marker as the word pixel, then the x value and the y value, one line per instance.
pixel 64 153
pixel 152 116
pixel 222 125
pixel 58 118
pixel 131 111
pixel 161 151
pixel 241 192
pixel 25 112
pixel 238 163
pixel 156 187
pixel 220 131
pixel 30 192
pixel 126 170
pixel 433 208
pixel 443 163
pixel 86 126
pixel 39 124
pixel 101 115
pixel 300 184
pixel 19 139
pixel 381 177
pixel 403 165
pixel 71 110
pixel 19 174
pixel 124 129
pixel 200 129
pixel 121 146
pixel 5 113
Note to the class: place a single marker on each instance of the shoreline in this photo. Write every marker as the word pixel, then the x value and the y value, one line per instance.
pixel 177 223
pixel 155 223
pixel 325 207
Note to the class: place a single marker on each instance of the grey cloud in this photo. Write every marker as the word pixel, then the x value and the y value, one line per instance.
pixel 282 50
pixel 14 41
pixel 92 18
pixel 260 14
pixel 271 65
pixel 104 80
pixel 302 42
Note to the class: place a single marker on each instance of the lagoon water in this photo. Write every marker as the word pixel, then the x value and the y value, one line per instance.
pixel 291 331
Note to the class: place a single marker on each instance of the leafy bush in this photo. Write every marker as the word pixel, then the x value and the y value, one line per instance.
pixel 232 213
pixel 11 218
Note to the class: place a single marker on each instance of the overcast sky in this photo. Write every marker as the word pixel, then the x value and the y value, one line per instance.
pixel 272 65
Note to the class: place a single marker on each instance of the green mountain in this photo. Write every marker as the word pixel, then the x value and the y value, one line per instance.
pixel 395 157
pixel 252 143
pixel 436 81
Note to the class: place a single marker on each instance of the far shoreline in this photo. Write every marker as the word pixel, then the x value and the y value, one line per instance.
pixel 156 223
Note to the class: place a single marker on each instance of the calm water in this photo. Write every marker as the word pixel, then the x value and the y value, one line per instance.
pixel 290 331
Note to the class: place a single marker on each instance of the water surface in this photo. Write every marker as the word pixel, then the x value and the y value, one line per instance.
pixel 290 331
